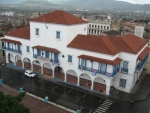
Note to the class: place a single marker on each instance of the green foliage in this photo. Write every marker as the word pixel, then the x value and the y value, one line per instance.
pixel 10 104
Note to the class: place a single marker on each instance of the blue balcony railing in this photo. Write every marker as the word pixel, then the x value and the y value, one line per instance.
pixel 19 51
pixel 34 56
pixel 124 70
pixel 55 61
pixel 4 47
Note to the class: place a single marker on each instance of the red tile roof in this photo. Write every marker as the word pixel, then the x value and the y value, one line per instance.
pixel 134 42
pixel 53 50
pixel 108 44
pixel 94 43
pixel 11 41
pixel 143 54
pixel 23 32
pixel 59 17
pixel 111 62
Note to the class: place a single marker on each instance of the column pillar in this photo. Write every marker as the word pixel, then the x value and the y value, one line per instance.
pixel 22 64
pixel 65 77
pixel 107 90
pixel 78 81
pixel 92 85
pixel 31 67
pixel 41 70
pixel 108 85
pixel 52 73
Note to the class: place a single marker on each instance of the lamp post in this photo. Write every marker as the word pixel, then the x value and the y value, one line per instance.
pixel 78 110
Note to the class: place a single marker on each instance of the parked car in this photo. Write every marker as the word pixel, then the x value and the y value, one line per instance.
pixel 29 73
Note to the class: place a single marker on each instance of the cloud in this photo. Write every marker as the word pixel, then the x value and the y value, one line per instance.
pixel 137 1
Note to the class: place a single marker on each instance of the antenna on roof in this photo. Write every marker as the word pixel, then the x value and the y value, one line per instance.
pixel 43 18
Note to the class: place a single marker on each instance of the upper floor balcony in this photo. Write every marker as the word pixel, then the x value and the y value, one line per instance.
pixel 11 45
pixel 99 66
pixel 142 58
pixel 46 54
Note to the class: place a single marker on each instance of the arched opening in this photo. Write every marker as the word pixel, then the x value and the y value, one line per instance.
pixel 10 58
pixel 36 66
pixel 27 63
pixel 47 70
pixel 100 85
pixel 85 80
pixel 18 61
pixel 72 77
pixel 59 73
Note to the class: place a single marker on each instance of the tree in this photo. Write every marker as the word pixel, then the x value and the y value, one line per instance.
pixel 11 104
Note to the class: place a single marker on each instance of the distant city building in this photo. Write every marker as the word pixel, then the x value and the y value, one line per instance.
pixel 139 31
pixel 7 13
pixel 36 14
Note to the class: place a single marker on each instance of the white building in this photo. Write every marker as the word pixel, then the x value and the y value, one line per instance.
pixel 7 13
pixel 59 47
pixel 139 31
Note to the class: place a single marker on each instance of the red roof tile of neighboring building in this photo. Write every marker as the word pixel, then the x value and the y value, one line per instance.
pixel 111 62
pixel 143 54
pixel 23 32
pixel 59 17
pixel 53 50
pixel 94 43
pixel 11 41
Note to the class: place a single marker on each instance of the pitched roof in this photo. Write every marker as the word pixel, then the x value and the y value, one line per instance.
pixel 134 42
pixel 23 32
pixel 129 43
pixel 53 50
pixel 59 17
pixel 11 41
pixel 143 54
pixel 105 61
pixel 94 43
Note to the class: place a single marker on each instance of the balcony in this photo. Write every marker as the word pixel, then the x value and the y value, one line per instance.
pixel 55 61
pixel 34 56
pixel 124 70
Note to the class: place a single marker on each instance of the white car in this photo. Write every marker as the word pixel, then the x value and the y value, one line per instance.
pixel 29 73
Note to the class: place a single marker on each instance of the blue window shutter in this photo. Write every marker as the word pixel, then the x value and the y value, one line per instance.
pixel 37 31
pixel 125 64
pixel 57 34
pixel 69 58
pixel 28 49
pixel 56 56
pixel 38 52
pixel 47 54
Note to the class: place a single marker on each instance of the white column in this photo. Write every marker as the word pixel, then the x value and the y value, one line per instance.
pixel 41 70
pixel 65 77
pixel 108 85
pixel 92 85
pixel 31 67
pixel 107 90
pixel 52 73
pixel 14 61
pixel 22 64
pixel 78 81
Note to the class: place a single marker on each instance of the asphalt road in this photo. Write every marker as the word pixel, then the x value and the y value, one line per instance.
pixel 68 95
pixel 59 93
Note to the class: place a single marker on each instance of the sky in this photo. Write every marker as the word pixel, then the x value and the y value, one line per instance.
pixel 137 1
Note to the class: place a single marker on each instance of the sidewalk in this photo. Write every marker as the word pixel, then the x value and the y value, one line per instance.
pixel 35 105
pixel 138 93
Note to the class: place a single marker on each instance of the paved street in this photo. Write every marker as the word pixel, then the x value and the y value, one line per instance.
pixel 65 95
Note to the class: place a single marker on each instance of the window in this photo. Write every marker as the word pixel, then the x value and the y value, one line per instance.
pixel 122 83
pixel 57 34
pixel 28 48
pixel 37 31
pixel 125 64
pixel 69 58
pixel 38 52
pixel 47 54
